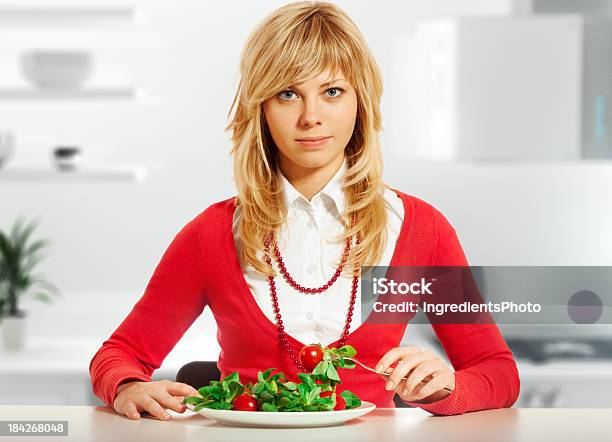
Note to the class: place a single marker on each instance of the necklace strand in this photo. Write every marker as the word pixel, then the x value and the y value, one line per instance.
pixel 310 290
pixel 279 321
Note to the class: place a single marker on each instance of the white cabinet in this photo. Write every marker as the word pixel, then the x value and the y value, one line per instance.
pixel 56 371
pixel 567 384
pixel 39 388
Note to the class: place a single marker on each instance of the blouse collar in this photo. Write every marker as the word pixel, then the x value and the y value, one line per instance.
pixel 332 191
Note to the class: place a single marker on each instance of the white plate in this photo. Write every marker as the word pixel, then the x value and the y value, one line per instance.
pixel 285 419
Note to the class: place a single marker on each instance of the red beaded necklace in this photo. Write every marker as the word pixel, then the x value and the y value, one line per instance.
pixel 279 322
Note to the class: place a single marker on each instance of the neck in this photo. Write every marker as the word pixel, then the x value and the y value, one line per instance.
pixel 310 181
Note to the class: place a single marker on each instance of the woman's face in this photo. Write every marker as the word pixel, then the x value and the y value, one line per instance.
pixel 312 109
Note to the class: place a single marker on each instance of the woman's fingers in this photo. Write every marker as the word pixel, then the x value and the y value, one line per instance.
pixel 426 374
pixel 131 411
pixel 396 354
pixel 143 398
pixel 419 373
pixel 405 366
pixel 437 382
pixel 181 389
pixel 153 407
pixel 169 401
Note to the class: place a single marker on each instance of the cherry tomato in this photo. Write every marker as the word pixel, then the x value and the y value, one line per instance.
pixel 245 402
pixel 310 356
pixel 340 402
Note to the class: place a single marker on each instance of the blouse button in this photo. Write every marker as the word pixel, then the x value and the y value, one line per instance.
pixel 311 269
pixel 309 315
pixel 310 223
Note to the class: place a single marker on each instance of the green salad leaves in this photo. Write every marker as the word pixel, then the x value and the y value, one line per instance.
pixel 316 391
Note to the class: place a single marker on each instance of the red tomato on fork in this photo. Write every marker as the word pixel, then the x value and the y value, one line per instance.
pixel 310 356
pixel 245 402
pixel 340 402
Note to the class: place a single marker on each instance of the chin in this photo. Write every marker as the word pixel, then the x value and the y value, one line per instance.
pixel 313 160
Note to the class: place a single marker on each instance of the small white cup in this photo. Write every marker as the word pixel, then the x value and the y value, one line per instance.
pixel 66 157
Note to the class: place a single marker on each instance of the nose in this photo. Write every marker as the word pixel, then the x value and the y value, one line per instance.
pixel 311 114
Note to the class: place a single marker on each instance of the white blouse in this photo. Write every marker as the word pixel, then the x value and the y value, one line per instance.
pixel 307 246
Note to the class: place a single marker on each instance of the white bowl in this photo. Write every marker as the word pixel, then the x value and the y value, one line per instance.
pixel 57 69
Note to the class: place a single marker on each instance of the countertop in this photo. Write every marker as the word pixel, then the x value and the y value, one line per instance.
pixel 100 423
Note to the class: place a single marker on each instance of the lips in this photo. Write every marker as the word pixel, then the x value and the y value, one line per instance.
pixel 312 138
pixel 313 142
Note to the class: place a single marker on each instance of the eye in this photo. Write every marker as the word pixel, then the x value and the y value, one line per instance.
pixel 335 89
pixel 286 91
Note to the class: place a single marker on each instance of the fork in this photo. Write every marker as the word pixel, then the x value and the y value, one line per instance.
pixel 382 372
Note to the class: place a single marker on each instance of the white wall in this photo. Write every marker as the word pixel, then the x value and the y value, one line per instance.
pixel 109 237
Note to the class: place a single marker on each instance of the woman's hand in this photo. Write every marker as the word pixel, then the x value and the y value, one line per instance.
pixel 422 365
pixel 153 397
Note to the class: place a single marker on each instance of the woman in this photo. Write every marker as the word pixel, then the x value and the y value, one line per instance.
pixel 313 210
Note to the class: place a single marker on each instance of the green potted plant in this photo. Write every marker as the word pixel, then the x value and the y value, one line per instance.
pixel 18 257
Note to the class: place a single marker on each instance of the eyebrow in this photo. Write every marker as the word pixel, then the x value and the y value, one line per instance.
pixel 322 85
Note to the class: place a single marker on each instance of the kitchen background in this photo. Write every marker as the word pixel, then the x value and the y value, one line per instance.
pixel 495 111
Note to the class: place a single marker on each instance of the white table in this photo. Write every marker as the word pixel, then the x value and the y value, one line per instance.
pixel 89 423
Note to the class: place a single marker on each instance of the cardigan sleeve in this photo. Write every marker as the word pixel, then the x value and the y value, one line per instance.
pixel 172 300
pixel 486 375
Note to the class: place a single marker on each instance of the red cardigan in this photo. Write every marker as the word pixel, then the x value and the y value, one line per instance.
pixel 200 268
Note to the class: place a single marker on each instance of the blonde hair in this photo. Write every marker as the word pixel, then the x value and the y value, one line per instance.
pixel 293 44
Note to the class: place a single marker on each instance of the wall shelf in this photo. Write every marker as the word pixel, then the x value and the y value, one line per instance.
pixel 40 38
pixel 58 15
pixel 134 173
pixel 111 93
